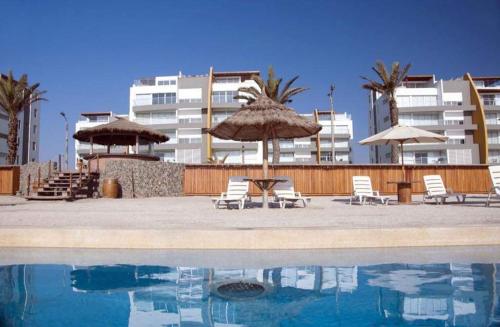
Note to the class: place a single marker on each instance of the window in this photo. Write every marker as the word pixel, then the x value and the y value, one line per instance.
pixel 163 118
pixel 417 101
pixel 164 98
pixel 219 116
pixel 143 99
pixel 493 137
pixel 411 119
pixel 34 129
pixel 167 156
pixel 227 80
pixel 33 146
pixel 224 96
pixel 452 103
pixel 167 82
pixel 35 112
pixel 489 99
pixel 421 157
pixel 143 118
pixel 492 118
pixel 98 119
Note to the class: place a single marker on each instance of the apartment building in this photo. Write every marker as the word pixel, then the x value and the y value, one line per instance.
pixel 440 106
pixel 91 119
pixel 185 106
pixel 28 134
pixel 488 90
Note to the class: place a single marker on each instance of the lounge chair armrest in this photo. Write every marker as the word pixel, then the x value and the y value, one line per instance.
pixel 449 190
pixel 377 193
pixel 223 194
pixel 298 194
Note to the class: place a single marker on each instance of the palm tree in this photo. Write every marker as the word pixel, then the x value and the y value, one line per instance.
pixel 271 89
pixel 14 97
pixel 387 87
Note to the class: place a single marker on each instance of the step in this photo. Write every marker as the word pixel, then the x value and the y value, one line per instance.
pixel 48 198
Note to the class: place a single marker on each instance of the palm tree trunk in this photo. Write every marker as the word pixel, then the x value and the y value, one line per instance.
pixel 276 151
pixel 394 114
pixel 12 139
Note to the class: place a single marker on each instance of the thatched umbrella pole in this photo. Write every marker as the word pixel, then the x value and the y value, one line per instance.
pixel 265 167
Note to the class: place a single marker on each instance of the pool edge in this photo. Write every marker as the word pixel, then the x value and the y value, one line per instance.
pixel 255 239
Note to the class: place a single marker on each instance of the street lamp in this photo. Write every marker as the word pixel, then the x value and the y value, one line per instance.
pixel 67 138
pixel 332 121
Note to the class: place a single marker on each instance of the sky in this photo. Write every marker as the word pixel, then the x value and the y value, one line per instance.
pixel 86 54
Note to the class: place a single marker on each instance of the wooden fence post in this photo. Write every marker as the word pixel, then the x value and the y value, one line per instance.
pixel 39 171
pixel 71 184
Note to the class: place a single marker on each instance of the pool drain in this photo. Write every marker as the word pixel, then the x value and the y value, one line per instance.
pixel 240 290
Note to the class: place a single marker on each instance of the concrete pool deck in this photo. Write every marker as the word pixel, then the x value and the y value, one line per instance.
pixel 192 223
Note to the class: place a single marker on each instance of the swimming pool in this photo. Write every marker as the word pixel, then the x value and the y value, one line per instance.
pixel 385 294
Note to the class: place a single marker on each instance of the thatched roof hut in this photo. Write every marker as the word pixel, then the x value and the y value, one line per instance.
pixel 120 132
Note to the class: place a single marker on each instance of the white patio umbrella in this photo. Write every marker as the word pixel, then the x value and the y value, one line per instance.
pixel 401 134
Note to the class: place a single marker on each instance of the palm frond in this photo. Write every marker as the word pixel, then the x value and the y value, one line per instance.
pixel 285 97
pixel 380 70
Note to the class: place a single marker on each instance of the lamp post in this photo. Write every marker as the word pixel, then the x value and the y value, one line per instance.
pixel 332 121
pixel 67 139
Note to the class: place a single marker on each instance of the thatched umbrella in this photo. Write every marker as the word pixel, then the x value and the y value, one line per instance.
pixel 120 132
pixel 262 120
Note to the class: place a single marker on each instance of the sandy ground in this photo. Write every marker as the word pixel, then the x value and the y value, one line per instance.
pixel 198 213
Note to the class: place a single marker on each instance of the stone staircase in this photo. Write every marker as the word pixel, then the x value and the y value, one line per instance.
pixel 65 186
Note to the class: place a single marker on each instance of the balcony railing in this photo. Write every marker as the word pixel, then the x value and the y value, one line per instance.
pixel 491 102
pixel 189 140
pixel 189 120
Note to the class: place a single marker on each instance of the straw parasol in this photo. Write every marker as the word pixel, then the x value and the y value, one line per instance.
pixel 120 132
pixel 401 134
pixel 262 120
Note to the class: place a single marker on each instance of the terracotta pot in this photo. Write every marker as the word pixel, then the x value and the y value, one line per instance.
pixel 110 188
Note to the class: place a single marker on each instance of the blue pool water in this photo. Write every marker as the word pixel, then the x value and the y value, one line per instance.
pixel 126 295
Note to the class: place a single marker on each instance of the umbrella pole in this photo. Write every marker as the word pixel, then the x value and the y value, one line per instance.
pixel 265 168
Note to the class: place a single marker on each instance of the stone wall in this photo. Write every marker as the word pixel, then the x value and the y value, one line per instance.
pixel 31 169
pixel 143 179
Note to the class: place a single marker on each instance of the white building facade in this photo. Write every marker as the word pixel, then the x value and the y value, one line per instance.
pixel 439 106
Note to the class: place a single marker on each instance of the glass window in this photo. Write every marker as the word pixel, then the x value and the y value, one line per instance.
pixel 164 98
pixel 224 96
pixel 225 80
pixel 167 82
pixel 488 99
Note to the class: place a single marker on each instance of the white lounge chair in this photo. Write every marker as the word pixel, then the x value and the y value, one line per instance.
pixel 237 191
pixel 362 191
pixel 495 180
pixel 284 192
pixel 434 189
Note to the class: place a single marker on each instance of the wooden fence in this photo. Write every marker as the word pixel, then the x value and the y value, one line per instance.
pixel 337 180
pixel 9 180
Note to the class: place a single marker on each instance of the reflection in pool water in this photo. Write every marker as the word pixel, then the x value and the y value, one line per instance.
pixel 127 295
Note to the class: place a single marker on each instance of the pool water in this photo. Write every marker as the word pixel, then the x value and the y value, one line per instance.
pixel 446 294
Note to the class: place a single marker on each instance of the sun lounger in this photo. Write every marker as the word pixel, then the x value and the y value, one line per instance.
pixel 495 180
pixel 434 189
pixel 284 192
pixel 362 191
pixel 237 191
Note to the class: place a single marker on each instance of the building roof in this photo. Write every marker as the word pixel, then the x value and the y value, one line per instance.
pixel 419 78
pixel 97 113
